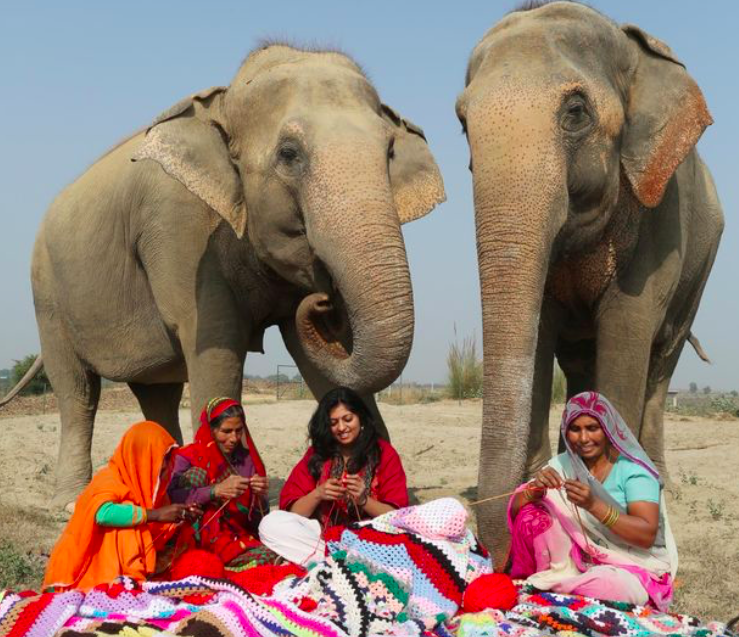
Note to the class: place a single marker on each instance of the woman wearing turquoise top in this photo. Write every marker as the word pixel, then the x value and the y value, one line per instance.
pixel 593 521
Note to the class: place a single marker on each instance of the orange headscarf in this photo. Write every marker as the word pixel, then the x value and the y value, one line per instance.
pixel 88 554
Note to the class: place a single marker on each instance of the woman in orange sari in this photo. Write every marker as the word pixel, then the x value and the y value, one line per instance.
pixel 122 518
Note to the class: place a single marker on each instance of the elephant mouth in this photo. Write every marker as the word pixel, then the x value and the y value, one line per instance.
pixel 323 325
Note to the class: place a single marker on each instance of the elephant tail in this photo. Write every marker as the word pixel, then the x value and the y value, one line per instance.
pixel 27 378
pixel 693 340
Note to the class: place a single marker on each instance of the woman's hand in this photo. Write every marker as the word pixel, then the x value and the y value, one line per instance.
pixel 174 513
pixel 330 490
pixel 546 478
pixel 259 485
pixel 231 487
pixel 354 487
pixel 580 494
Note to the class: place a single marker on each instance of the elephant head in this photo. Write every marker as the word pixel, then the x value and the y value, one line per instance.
pixel 569 118
pixel 303 160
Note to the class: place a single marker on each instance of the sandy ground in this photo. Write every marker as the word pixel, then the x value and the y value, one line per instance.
pixel 438 443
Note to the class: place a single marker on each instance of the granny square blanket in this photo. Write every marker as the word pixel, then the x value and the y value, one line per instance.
pixel 402 574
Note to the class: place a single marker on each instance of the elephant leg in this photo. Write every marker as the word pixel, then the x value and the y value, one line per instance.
pixel 77 391
pixel 577 361
pixel 161 403
pixel 316 381
pixel 624 346
pixel 652 429
pixel 214 343
pixel 651 435
pixel 213 374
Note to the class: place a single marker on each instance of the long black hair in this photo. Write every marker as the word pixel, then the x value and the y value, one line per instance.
pixel 366 450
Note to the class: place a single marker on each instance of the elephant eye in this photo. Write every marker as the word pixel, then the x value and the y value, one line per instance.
pixel 288 154
pixel 576 117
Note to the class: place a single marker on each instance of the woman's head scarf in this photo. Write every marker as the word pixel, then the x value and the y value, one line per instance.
pixel 88 554
pixel 204 435
pixel 617 431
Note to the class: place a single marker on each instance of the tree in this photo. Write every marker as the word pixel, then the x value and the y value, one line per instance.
pixel 693 388
pixel 40 383
pixel 707 390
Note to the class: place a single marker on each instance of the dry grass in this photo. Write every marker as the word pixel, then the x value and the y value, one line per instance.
pixel 410 395
pixel 26 538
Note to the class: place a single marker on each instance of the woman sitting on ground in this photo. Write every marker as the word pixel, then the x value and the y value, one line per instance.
pixel 223 473
pixel 116 528
pixel 348 474
pixel 593 521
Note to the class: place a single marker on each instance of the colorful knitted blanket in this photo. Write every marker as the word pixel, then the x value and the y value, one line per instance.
pixel 401 574
pixel 545 613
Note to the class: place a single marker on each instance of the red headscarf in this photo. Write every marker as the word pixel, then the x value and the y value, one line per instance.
pixel 223 531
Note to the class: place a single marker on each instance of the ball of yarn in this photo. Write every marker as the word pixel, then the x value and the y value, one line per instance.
pixel 494 590
pixel 197 562
pixel 261 580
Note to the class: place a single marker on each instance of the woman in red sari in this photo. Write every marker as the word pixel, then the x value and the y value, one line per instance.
pixel 223 473
pixel 348 474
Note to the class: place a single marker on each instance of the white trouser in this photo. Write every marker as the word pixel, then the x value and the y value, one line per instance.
pixel 292 536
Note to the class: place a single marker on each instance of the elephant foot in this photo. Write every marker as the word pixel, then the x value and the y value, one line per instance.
pixel 65 499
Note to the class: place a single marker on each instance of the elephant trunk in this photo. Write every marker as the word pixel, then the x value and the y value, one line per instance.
pixel 355 232
pixel 520 205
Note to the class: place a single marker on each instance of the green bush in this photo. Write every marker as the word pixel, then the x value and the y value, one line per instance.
pixel 465 370
pixel 18 571
pixel 40 383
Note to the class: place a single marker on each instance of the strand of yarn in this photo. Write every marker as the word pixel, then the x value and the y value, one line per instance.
pixel 498 497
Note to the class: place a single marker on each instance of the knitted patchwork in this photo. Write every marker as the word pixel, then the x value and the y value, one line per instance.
pixel 402 574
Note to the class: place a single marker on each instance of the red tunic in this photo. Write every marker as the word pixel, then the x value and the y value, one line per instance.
pixel 388 485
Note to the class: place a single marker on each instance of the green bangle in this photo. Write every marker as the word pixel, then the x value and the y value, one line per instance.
pixel 213 492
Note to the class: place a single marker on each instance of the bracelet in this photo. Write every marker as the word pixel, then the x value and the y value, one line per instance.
pixel 363 500
pixel 528 494
pixel 611 517
pixel 213 492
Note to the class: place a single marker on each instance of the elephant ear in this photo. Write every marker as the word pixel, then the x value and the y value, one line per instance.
pixel 414 176
pixel 666 115
pixel 189 142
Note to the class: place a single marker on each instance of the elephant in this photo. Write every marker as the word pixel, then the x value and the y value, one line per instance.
pixel 276 200
pixel 597 226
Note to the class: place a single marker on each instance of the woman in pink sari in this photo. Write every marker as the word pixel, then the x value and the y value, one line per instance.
pixel 593 521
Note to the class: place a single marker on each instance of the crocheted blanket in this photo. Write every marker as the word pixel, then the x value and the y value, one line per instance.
pixel 402 573
pixel 544 613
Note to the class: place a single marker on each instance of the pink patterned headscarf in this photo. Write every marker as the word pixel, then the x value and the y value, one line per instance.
pixel 598 406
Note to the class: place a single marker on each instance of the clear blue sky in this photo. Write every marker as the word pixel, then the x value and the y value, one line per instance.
pixel 79 76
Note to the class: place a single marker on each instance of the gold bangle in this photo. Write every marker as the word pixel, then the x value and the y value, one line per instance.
pixel 611 517
pixel 528 494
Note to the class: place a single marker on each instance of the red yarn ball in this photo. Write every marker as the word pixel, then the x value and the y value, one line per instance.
pixel 198 562
pixel 495 590
pixel 261 580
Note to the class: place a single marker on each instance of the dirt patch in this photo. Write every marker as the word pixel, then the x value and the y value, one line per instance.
pixel 439 445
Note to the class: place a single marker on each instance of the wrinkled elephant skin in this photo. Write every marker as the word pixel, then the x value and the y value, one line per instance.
pixel 597 226
pixel 168 258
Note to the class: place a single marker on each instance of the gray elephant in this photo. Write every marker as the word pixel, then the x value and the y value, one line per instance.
pixel 276 200
pixel 597 226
